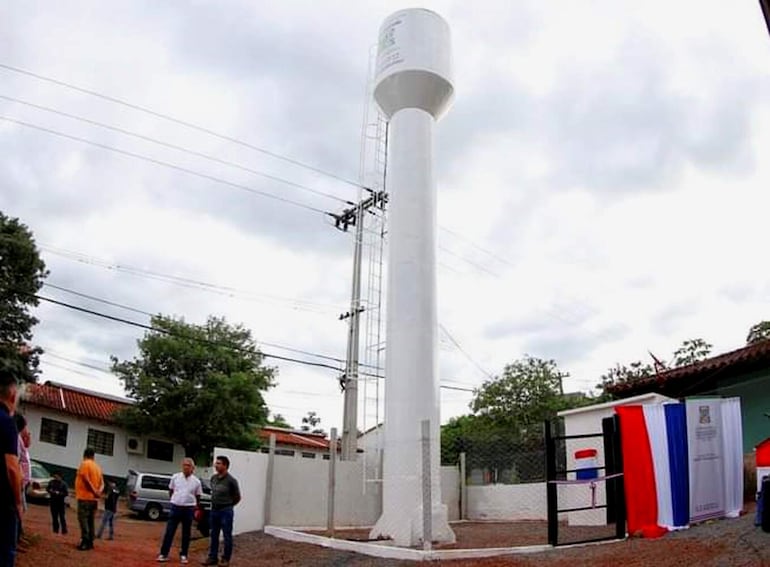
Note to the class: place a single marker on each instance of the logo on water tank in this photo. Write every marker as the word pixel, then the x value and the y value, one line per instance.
pixel 388 36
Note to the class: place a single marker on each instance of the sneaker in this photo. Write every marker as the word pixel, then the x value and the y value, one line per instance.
pixel 162 558
pixel 224 563
pixel 209 561
pixel 183 560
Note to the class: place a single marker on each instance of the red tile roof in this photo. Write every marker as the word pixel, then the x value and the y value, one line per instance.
pixel 293 438
pixel 73 401
pixel 744 357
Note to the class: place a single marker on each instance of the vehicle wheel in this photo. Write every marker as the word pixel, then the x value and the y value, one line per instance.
pixel 153 512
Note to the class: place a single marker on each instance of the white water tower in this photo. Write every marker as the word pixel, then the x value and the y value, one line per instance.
pixel 413 88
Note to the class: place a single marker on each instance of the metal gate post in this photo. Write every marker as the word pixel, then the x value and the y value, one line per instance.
pixel 550 487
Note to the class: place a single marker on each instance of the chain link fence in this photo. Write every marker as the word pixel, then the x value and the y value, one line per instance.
pixel 503 473
pixel 499 456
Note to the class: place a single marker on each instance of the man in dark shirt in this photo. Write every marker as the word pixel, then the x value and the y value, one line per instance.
pixel 58 490
pixel 10 471
pixel 225 494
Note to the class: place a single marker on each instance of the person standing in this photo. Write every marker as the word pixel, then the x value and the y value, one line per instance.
pixel 26 472
pixel 57 494
pixel 88 490
pixel 25 440
pixel 10 473
pixel 110 510
pixel 225 495
pixel 185 491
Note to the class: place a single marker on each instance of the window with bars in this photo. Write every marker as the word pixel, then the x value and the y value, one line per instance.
pixel 52 431
pixel 160 450
pixel 102 442
pixel 284 452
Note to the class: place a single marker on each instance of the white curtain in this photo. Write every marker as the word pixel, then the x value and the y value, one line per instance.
pixel 732 439
pixel 655 419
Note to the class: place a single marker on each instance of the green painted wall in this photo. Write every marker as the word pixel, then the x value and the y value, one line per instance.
pixel 754 391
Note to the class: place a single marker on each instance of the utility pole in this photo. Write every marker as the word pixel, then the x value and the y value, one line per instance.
pixel 349 381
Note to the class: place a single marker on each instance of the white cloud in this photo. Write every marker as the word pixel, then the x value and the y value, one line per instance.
pixel 602 165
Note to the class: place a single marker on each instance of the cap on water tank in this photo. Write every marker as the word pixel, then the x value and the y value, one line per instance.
pixel 414 67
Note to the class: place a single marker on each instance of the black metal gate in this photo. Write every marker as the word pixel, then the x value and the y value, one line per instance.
pixel 613 476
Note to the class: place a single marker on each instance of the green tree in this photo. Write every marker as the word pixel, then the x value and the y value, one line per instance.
pixel 758 332
pixel 22 272
pixel 622 373
pixel 310 423
pixel 200 386
pixel 278 421
pixel 504 435
pixel 691 351
pixel 528 392
pixel 459 434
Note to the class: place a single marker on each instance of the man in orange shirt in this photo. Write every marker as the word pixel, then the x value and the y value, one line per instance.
pixel 88 489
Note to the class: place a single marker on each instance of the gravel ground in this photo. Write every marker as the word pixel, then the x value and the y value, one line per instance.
pixel 722 542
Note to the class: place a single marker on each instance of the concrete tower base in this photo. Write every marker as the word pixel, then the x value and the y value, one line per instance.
pixel 409 533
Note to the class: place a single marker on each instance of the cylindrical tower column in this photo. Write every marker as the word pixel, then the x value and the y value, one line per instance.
pixel 413 89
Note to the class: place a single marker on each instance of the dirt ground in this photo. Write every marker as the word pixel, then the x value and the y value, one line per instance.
pixel 724 542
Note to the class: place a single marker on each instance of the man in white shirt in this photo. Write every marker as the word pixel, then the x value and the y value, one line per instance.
pixel 185 491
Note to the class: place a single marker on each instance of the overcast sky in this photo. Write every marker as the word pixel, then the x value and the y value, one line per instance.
pixel 602 190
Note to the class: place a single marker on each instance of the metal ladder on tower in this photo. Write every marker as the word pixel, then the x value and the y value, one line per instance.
pixel 371 375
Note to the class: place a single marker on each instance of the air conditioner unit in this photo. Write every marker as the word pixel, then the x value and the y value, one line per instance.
pixel 135 445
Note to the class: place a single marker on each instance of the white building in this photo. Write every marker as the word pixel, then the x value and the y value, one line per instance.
pixel 587 420
pixel 294 443
pixel 65 420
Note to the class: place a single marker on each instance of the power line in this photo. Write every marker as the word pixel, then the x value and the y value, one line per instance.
pixel 148 314
pixel 165 164
pixel 195 339
pixel 178 148
pixel 462 350
pixel 457 388
pixel 78 362
pixel 477 246
pixel 180 122
pixel 171 333
pixel 182 281
pixel 92 298
pixel 68 369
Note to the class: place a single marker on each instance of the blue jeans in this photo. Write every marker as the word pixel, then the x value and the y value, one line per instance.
pixel 8 533
pixel 178 514
pixel 221 520
pixel 108 520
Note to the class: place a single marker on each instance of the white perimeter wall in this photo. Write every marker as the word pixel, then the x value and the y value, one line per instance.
pixel 250 470
pixel 300 488
pixel 507 502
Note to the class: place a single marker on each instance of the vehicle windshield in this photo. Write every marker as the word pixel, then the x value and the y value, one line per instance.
pixel 39 471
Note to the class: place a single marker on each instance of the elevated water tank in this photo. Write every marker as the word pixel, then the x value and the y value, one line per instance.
pixel 414 63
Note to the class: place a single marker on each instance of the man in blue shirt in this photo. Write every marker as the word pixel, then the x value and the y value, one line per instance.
pixel 10 471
